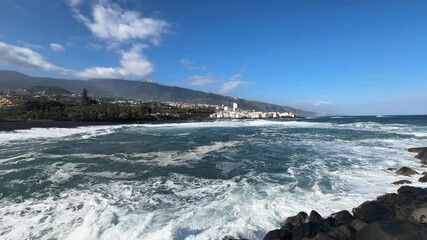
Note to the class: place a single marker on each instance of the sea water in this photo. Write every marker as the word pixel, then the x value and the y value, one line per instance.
pixel 196 180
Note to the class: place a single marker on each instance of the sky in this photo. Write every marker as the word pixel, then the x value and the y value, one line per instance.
pixel 337 57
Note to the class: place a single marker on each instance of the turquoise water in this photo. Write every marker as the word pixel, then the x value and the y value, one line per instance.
pixel 196 180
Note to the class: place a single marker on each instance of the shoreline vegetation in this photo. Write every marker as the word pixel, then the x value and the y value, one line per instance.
pixel 392 216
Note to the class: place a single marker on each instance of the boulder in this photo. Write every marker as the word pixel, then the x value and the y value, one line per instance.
pixel 404 213
pixel 308 230
pixel 275 235
pixel 424 173
pixel 371 211
pixel 343 232
pixel 395 230
pixel 405 171
pixel 402 182
pixel 315 217
pixel 417 149
pixel 299 219
pixel 322 236
pixel 423 179
pixel 342 217
pixel 422 153
pixel 420 215
pixel 358 224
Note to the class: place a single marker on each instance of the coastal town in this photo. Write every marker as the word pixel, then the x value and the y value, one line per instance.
pixel 224 112
pixel 10 100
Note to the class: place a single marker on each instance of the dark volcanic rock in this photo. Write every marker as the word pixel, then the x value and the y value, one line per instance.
pixel 274 235
pixel 343 232
pixel 343 217
pixel 358 224
pixel 402 182
pixel 299 219
pixel 422 153
pixel 322 236
pixel 423 179
pixel 405 171
pixel 396 230
pixel 309 230
pixel 371 211
pixel 315 217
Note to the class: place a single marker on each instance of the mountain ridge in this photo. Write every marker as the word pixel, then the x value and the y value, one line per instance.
pixel 147 91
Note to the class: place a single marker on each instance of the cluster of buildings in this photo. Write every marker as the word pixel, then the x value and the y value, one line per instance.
pixel 235 113
pixel 9 100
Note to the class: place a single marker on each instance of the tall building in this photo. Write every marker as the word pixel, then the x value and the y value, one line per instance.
pixel 234 107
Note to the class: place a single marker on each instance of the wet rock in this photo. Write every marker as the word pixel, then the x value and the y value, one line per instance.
pixel 275 235
pixel 391 169
pixel 308 230
pixel 398 230
pixel 405 212
pixel 297 220
pixel 392 200
pixel 315 217
pixel 371 211
pixel 358 224
pixel 402 182
pixel 405 171
pixel 322 236
pixel 343 232
pixel 424 166
pixel 424 173
pixel 342 217
pixel 420 215
pixel 417 149
pixel 413 193
pixel 423 179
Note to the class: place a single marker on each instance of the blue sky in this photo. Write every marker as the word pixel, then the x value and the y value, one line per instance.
pixel 347 57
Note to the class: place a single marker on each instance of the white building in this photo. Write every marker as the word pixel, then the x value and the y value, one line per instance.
pixel 234 107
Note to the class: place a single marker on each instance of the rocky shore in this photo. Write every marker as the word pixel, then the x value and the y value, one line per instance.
pixel 392 216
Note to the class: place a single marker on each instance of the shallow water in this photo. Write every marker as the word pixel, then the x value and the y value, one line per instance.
pixel 196 180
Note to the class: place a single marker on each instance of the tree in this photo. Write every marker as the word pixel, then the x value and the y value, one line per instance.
pixel 85 98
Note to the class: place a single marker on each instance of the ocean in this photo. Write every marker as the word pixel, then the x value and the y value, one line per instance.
pixel 197 180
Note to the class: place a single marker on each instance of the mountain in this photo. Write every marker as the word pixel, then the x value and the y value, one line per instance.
pixel 11 80
pixel 51 90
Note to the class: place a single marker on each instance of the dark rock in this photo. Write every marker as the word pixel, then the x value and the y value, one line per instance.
pixel 315 217
pixel 419 215
pixel 392 200
pixel 275 235
pixel 358 224
pixel 402 182
pixel 287 227
pixel 343 232
pixel 423 179
pixel 412 193
pixel 309 229
pixel 417 149
pixel 331 222
pixel 391 169
pixel 322 236
pixel 371 211
pixel 405 212
pixel 396 230
pixel 424 166
pixel 299 219
pixel 405 171
pixel 424 173
pixel 342 217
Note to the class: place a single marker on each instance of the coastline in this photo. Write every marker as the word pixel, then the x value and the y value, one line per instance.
pixel 396 216
pixel 6 126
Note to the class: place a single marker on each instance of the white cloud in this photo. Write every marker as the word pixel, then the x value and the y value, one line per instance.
pixel 200 80
pixel 132 63
pixel 232 84
pixel 320 103
pixel 56 47
pixel 112 23
pixel 75 3
pixel 27 58
pixel 189 65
